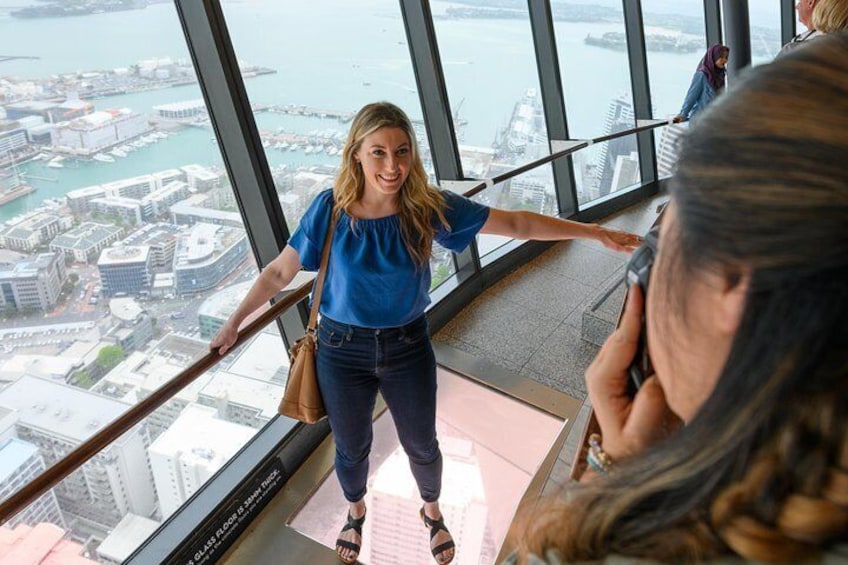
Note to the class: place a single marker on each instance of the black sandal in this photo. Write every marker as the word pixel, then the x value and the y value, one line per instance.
pixel 435 526
pixel 354 524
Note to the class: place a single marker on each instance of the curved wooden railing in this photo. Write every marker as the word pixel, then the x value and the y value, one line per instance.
pixel 88 449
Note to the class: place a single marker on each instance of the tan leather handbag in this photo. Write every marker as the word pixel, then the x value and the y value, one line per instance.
pixel 302 398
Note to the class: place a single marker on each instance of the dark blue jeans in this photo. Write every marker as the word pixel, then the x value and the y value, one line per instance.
pixel 353 363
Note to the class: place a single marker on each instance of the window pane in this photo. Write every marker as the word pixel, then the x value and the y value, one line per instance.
pixel 493 85
pixel 592 51
pixel 765 30
pixel 121 253
pixel 319 79
pixel 675 39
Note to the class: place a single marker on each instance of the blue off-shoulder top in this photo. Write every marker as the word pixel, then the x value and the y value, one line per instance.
pixel 371 280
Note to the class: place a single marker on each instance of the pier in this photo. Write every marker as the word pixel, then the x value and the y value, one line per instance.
pixel 297 110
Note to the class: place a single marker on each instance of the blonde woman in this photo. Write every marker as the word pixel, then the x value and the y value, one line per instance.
pixel 748 334
pixel 373 334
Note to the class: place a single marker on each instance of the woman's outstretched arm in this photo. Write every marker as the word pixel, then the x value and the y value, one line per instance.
pixel 530 225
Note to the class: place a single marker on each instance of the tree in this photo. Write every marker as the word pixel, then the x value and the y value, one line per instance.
pixel 82 379
pixel 74 278
pixel 110 356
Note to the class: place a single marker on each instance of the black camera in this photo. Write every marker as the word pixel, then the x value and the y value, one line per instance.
pixel 639 272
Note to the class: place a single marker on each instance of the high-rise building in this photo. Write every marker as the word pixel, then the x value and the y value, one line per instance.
pixel 33 283
pixel 126 269
pixel 192 450
pixel 619 118
pixel 626 171
pixel 57 418
pixel 392 533
pixel 207 254
pixel 669 148
pixel 20 462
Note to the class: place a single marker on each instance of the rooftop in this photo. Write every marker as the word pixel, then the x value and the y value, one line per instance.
pixel 125 538
pixel 125 254
pixel 60 410
pixel 198 437
pixel 45 543
pixel 14 453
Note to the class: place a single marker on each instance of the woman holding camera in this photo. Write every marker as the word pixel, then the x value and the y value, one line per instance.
pixel 747 327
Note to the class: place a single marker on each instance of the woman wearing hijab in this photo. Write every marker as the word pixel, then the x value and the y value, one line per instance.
pixel 707 82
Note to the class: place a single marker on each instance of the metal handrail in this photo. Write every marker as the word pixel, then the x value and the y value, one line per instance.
pixel 89 448
pixel 564 153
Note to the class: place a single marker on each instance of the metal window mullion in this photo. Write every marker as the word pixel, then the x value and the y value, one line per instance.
pixel 640 83
pixel 438 119
pixel 238 137
pixel 553 100
pixel 787 21
pixel 737 33
pixel 712 21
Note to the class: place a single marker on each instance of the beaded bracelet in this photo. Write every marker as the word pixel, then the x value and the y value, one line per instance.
pixel 596 457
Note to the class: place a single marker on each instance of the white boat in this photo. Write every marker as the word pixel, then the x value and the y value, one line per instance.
pixel 332 150
pixel 127 148
pixel 103 158
pixel 309 149
pixel 118 153
pixel 138 144
pixel 56 162
pixel 319 148
pixel 294 147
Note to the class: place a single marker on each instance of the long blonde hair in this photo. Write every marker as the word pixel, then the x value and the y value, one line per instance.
pixel 762 468
pixel 830 16
pixel 419 201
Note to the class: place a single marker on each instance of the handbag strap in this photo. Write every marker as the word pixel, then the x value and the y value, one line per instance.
pixel 322 271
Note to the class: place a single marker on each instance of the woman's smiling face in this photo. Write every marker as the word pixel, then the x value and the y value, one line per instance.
pixel 386 158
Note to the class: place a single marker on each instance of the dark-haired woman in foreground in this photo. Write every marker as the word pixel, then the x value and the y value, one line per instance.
pixel 747 321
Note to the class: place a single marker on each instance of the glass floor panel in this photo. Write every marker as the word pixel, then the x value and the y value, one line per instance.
pixel 492 446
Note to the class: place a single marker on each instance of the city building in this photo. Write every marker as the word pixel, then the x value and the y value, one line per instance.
pixel 12 137
pixel 248 389
pixel 32 283
pixel 619 117
pixel 132 327
pixel 157 203
pixel 44 543
pixel 202 178
pixel 161 238
pixel 57 418
pixel 124 538
pixel 127 210
pixel 196 445
pixel 207 254
pixel 79 200
pixel 29 232
pixel 142 373
pixel 50 112
pixel 217 307
pixel 190 211
pixel 669 148
pixel 392 531
pixel 528 191
pixel 126 269
pixel 84 243
pixel 133 187
pixel 94 132
pixel 626 172
pixel 20 462
pixel 181 110
pixel 50 367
